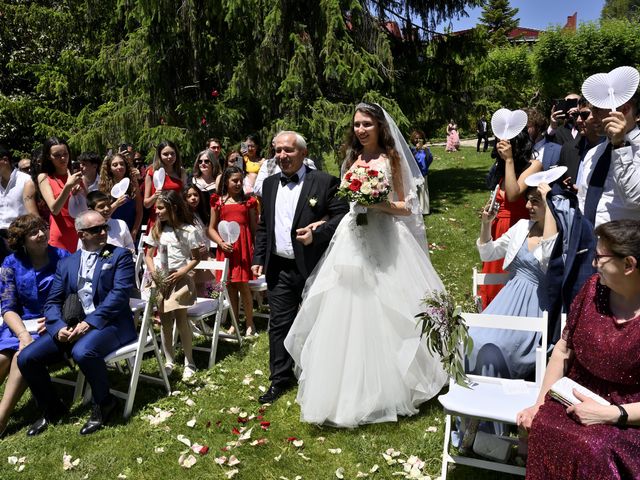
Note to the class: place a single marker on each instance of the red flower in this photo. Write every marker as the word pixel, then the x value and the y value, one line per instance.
pixel 203 121
pixel 204 450
pixel 291 439
pixel 215 93
pixel 259 417
pixel 265 425
pixel 348 176
pixel 355 185
pixel 261 410
pixel 225 449
pixel 373 173
pixel 235 431
pixel 243 419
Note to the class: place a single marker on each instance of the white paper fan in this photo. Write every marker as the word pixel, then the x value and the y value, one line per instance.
pixel 77 205
pixel 546 176
pixel 229 231
pixel 610 90
pixel 120 188
pixel 158 178
pixel 507 124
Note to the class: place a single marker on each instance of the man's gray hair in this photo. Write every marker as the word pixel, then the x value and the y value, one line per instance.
pixel 301 143
pixel 79 222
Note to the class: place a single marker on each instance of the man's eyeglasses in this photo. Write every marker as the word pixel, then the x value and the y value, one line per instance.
pixel 583 115
pixel 96 229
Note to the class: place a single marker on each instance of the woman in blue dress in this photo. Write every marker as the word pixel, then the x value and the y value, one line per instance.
pixel 25 279
pixel 526 248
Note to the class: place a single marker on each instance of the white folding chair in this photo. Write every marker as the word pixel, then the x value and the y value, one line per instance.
pixel 139 262
pixel 218 308
pixel 493 399
pixel 133 353
pixel 257 286
pixel 486 279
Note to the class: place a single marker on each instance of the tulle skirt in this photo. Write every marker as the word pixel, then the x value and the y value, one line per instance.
pixel 355 341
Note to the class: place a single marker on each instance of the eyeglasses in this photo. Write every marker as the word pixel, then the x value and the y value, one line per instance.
pixel 203 161
pixel 584 114
pixel 96 229
pixel 598 256
pixel 25 169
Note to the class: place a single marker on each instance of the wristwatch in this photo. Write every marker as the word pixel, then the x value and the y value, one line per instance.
pixel 624 416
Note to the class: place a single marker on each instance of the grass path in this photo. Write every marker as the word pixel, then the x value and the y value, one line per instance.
pixel 223 400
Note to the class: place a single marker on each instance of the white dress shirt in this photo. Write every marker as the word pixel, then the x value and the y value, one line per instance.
pixel 11 201
pixel 88 262
pixel 621 191
pixel 287 198
pixel 270 167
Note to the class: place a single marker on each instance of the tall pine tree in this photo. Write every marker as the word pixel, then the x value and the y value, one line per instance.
pixel 499 19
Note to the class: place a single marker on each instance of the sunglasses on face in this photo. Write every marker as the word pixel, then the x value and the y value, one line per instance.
pixel 95 229
pixel 203 161
pixel 584 114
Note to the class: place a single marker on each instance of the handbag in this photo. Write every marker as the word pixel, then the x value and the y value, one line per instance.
pixel 72 310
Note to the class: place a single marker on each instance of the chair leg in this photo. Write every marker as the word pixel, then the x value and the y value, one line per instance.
pixel 219 320
pixel 160 359
pixel 234 322
pixel 445 448
pixel 80 382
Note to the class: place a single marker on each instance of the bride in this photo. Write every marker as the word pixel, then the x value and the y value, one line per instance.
pixel 355 341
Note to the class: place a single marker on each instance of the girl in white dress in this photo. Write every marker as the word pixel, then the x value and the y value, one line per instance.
pixel 355 341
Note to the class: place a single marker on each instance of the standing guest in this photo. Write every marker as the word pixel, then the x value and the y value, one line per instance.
pixel 482 131
pixel 423 157
pixel 562 128
pixel 56 185
pixel 513 165
pixel 287 249
pixel 598 350
pixel 89 166
pixel 25 280
pixel 174 241
pixel 609 180
pixel 118 233
pixel 270 167
pixel 168 157
pixel 252 161
pixel 453 139
pixel 102 276
pixel 234 159
pixel 234 206
pixel 215 146
pixel 544 150
pixel 206 172
pixel 198 204
pixel 355 342
pixel 24 165
pixel 17 196
pixel 129 206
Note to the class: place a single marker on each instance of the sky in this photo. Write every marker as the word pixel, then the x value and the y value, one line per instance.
pixel 538 14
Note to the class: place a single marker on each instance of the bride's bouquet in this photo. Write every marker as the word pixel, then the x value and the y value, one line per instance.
pixel 365 186
pixel 446 333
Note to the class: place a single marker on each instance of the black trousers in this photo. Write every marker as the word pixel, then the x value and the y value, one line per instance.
pixel 482 136
pixel 284 286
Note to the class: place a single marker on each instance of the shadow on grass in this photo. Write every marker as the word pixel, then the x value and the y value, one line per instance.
pixel 454 185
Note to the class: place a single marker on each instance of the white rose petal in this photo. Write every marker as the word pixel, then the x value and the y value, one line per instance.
pixel 374 469
pixel 361 474
pixel 187 461
pixel 12 460
pixel 340 473
pixel 191 423
pixel 139 460
pixel 432 429
pixel 262 388
pixel 233 460
pixel 159 450
pixel 298 443
pixel 258 372
pixel 122 475
pixel 234 410
pixel 183 439
pixel 232 473
pixel 20 467
pixel 220 460
pixel 278 458
pixel 335 450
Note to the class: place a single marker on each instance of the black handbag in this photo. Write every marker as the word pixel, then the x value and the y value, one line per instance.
pixel 72 311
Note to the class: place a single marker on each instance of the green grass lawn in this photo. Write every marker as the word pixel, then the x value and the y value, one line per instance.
pixel 222 401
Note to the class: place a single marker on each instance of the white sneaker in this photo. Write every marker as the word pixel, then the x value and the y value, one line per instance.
pixel 188 372
pixel 169 368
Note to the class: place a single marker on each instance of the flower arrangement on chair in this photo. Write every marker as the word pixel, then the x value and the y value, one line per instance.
pixel 446 333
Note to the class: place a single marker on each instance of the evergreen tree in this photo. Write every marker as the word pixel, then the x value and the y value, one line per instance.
pixel 499 19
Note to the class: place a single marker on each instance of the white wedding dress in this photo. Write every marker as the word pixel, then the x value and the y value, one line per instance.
pixel 356 344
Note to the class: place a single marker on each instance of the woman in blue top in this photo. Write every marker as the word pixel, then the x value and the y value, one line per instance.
pixel 25 279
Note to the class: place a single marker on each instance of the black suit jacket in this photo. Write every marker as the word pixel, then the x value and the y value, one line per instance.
pixel 563 135
pixel 319 189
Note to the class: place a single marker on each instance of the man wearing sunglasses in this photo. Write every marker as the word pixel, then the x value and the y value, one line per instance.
pixel 101 275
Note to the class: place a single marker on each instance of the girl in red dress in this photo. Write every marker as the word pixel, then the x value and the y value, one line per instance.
pixel 167 157
pixel 234 206
pixel 56 185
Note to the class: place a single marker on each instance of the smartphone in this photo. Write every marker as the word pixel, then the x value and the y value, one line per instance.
pixel 560 104
pixel 243 148
pixel 570 103
pixel 492 200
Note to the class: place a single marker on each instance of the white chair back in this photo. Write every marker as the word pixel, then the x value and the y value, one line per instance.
pixel 486 279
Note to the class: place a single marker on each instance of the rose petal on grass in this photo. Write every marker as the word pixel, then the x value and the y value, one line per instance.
pixel 432 429
pixel 258 373
pixel 340 473
pixel 12 460
pixel 258 442
pixel 303 456
pixel 68 463
pixel 122 475
pixel 374 469
pixel 220 460
pixel 234 410
pixel 233 460
pixel 298 443
pixel 181 438
pixel 265 425
pixel 187 461
pixel 175 393
pixel 247 380
pixel 361 474
pixel 320 439
pixel 191 423
pixel 199 449
pixel 278 458
pixel 139 460
pixel 262 388
pixel 335 451
pixel 232 473
pixel 245 436
pixel 190 403
pixel 19 468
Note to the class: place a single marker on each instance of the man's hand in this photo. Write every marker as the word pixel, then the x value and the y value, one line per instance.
pixel 304 235
pixel 555 116
pixel 64 334
pixel 41 326
pixel 78 331
pixel 615 126
pixel 257 270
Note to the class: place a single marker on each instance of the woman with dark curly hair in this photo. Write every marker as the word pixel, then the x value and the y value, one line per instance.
pixel 514 163
pixel 25 279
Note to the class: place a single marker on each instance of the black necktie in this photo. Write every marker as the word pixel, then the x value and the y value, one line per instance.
pixel 284 180
pixel 596 184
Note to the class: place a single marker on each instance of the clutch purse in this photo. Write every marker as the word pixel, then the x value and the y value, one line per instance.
pixel 72 311
pixel 562 391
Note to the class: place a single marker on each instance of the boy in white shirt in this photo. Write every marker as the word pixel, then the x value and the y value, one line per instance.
pixel 118 233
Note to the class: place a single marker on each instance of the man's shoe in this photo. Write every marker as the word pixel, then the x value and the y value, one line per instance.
pixel 51 418
pixel 38 427
pixel 273 393
pixel 100 414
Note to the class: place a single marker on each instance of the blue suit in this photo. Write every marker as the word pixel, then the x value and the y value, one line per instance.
pixel 111 322
pixel 551 155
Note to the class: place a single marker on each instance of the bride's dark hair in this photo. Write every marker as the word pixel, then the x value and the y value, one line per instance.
pixel 385 139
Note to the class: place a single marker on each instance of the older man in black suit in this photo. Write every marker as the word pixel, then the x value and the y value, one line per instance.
pixel 300 215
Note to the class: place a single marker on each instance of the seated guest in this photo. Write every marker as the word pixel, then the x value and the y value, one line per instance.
pixel 525 248
pixel 101 275
pixel 598 350
pixel 118 233
pixel 25 280
pixel 609 180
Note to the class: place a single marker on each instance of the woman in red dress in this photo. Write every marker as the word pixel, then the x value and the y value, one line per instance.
pixel 56 184
pixel 234 206
pixel 513 164
pixel 167 157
